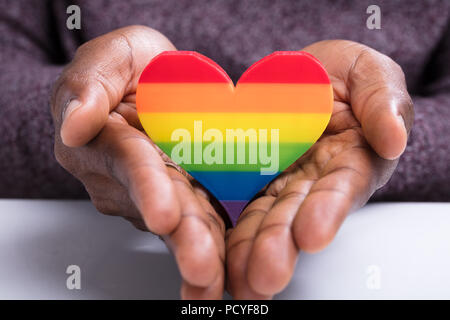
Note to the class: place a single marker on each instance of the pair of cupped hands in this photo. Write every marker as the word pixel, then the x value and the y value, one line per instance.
pixel 99 139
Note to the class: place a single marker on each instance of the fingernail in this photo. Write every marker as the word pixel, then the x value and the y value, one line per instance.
pixel 71 106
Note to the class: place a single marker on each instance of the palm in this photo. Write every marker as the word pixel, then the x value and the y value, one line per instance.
pixel 304 206
pixel 312 195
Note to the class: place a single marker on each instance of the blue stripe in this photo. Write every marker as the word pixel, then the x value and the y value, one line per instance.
pixel 226 185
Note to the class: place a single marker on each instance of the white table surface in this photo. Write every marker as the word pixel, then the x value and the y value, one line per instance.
pixel 404 247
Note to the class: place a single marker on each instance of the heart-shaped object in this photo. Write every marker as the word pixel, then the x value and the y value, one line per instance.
pixel 234 140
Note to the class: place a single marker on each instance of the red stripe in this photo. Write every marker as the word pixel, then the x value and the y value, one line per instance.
pixel 286 67
pixel 183 66
pixel 279 67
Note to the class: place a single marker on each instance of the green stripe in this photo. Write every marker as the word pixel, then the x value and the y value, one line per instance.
pixel 288 153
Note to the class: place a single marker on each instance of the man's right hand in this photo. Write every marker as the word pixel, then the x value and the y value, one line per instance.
pixel 99 139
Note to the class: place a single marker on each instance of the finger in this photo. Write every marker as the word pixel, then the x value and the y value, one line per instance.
pixel 274 252
pixel 102 72
pixel 340 190
pixel 215 222
pixel 376 90
pixel 239 246
pixel 135 163
pixel 216 289
pixel 129 113
pixel 195 250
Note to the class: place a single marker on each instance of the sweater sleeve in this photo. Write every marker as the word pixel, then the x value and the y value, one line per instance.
pixel 31 58
pixel 423 172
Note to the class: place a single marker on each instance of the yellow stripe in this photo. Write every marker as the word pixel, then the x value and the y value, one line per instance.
pixel 293 127
pixel 223 97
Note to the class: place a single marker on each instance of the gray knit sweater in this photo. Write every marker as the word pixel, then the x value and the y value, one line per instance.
pixel 35 44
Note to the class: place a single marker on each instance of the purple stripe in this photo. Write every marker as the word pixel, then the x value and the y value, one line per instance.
pixel 234 208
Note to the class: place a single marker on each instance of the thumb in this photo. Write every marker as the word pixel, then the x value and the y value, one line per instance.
pixel 103 71
pixel 381 103
pixel 376 90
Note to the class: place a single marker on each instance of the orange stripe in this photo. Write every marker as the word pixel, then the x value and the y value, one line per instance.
pixel 247 97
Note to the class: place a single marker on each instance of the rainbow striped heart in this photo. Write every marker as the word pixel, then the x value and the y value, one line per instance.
pixel 234 140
